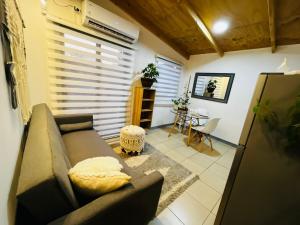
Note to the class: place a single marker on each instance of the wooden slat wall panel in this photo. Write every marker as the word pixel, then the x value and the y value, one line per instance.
pixel 168 82
pixel 89 75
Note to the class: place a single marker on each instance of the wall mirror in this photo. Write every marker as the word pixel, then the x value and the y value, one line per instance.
pixel 212 86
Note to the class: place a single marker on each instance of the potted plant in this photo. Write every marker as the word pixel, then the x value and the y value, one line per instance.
pixel 176 102
pixel 150 74
pixel 211 86
pixel 182 103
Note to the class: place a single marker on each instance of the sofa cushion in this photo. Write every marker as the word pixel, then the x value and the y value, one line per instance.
pixel 44 188
pixel 81 145
pixel 97 176
pixel 69 127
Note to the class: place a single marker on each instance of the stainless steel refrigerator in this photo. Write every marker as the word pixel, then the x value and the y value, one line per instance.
pixel 263 187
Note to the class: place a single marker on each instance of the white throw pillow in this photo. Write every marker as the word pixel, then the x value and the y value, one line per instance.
pixel 99 175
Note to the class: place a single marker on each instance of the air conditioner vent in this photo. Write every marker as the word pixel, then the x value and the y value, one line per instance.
pixel 108 30
pixel 103 20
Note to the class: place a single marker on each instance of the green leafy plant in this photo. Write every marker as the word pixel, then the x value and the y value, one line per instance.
pixel 265 113
pixel 182 102
pixel 212 84
pixel 293 124
pixel 150 72
pixel 284 129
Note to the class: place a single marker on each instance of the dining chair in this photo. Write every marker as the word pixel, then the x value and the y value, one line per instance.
pixel 204 130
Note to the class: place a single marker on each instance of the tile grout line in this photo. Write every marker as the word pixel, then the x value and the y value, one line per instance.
pixel 223 166
pixel 200 202
pixel 205 170
pixel 205 219
pixel 221 193
pixel 216 204
pixel 175 215
pixel 210 210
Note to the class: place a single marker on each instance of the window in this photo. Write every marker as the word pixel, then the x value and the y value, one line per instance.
pixel 168 82
pixel 90 75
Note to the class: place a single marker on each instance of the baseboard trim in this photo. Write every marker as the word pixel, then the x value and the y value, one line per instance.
pixel 217 138
pixel 161 126
pixel 225 142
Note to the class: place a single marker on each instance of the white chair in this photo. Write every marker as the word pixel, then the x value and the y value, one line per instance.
pixel 204 130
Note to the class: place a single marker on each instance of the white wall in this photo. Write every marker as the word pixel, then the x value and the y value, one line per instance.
pixel 11 130
pixel 246 65
pixel 147 47
pixel 34 37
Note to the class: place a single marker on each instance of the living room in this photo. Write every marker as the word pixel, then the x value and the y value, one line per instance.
pixel 207 139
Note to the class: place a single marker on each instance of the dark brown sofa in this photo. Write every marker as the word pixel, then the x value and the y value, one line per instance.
pixel 45 194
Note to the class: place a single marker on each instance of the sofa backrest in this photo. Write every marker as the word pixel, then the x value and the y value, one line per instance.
pixel 44 188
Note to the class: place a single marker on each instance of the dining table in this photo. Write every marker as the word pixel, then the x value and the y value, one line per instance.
pixel 186 118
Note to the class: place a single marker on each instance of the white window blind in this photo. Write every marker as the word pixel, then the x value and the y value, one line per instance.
pixel 201 85
pixel 89 75
pixel 168 82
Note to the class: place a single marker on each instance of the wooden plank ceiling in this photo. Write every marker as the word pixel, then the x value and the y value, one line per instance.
pixel 253 23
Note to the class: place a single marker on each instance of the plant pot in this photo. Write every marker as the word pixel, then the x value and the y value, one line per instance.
pixel 183 109
pixel 146 82
pixel 210 90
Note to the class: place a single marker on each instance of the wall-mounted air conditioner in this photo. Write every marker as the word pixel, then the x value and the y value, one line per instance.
pixel 101 19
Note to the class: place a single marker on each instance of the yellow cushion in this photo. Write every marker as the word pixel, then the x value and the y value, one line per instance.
pixel 99 175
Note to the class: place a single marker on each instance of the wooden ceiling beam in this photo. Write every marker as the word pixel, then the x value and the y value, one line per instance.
pixel 202 27
pixel 271 14
pixel 150 26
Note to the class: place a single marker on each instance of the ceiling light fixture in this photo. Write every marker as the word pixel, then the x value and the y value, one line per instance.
pixel 220 26
pixel 43 6
pixel 44 2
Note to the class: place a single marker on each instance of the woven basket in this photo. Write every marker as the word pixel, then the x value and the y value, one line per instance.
pixel 132 138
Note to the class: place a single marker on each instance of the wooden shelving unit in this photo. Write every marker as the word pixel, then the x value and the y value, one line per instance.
pixel 143 106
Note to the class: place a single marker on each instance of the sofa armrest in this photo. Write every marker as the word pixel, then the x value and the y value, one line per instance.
pixel 133 205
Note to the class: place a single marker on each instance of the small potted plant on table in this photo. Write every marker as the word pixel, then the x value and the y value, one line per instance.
pixel 182 103
pixel 150 74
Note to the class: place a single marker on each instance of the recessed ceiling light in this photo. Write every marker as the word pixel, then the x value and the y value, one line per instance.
pixel 43 2
pixel 220 26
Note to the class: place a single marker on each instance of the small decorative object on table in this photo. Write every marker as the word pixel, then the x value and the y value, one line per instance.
pixel 132 139
pixel 150 74
pixel 181 108
pixel 182 103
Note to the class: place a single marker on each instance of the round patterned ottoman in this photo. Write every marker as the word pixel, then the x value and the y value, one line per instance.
pixel 132 139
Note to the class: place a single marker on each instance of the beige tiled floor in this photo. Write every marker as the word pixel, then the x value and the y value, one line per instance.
pixel 198 205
